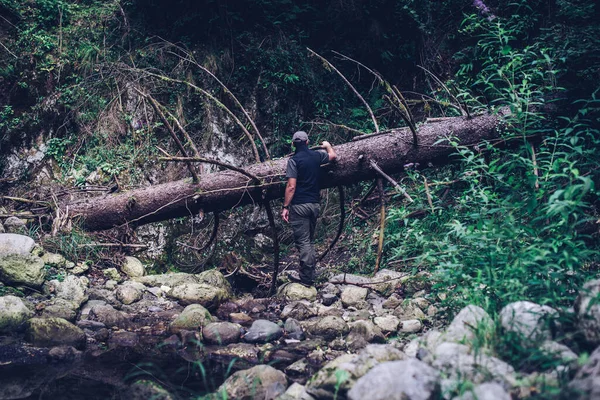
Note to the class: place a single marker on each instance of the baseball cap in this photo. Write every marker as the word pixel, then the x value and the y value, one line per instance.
pixel 300 136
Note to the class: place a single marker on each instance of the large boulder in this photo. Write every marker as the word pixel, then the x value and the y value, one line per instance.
pixel 263 331
pixel 19 269
pixel 260 382
pixel 296 291
pixel 193 317
pixel 13 313
pixel 586 384
pixel 132 267
pixel 398 380
pixel 12 244
pixel 463 326
pixel 72 289
pixel 532 322
pixel 587 307
pixel 47 332
pixel 340 374
pixel 200 293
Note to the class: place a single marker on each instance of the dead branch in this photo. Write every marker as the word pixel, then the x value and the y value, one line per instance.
pixel 342 221
pixel 214 162
pixel 381 225
pixel 391 180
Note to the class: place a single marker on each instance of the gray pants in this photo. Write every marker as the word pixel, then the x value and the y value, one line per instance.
pixel 303 218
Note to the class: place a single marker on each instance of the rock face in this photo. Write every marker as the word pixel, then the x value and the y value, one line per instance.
pixel 193 317
pixel 296 291
pixel 47 332
pixel 587 380
pixel 221 333
pixel 21 269
pixel 588 311
pixel 259 382
pixel 13 244
pixel 133 268
pixel 397 380
pixel 461 329
pixel 263 331
pixel 354 295
pixel 13 313
pixel 531 321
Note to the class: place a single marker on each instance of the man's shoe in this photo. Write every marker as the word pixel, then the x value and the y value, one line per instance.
pixel 294 277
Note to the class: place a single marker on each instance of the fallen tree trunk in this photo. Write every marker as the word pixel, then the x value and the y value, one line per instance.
pixel 228 189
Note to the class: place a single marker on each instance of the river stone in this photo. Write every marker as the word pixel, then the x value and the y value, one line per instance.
pixel 461 329
pixel 486 391
pixel 13 313
pixel 132 267
pixel 386 281
pixel 587 307
pixel 25 270
pixel 241 318
pixel 362 333
pixel 459 363
pixel 12 244
pixel 221 333
pixel 113 274
pixel 263 331
pixel 353 295
pixel 293 329
pixel 587 380
pixel 122 338
pixel 130 292
pixel 243 354
pixel 392 302
pixel 15 225
pixel 146 389
pixel 54 260
pixel 108 315
pixel 349 279
pixel 411 326
pixel 329 327
pixel 297 291
pixel 200 293
pixel 340 374
pixel 61 308
pixel 72 289
pixel 408 311
pixel 388 323
pixel 398 380
pixel 298 310
pixel 559 352
pixel 193 317
pixel 428 341
pixel 531 321
pixel 259 382
pixel 47 332
pixel 328 299
pixel 295 392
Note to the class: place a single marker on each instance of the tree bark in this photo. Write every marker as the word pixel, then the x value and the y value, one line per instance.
pixel 228 189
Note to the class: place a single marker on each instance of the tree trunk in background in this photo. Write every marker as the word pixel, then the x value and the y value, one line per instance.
pixel 228 189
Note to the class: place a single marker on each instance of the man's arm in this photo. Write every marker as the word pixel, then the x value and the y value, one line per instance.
pixel 290 189
pixel 330 150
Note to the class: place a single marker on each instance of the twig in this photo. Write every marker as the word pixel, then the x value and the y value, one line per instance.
pixel 210 161
pixel 464 110
pixel 390 180
pixel 19 199
pixel 351 87
pixel 340 225
pixel 373 186
pixel 428 193
pixel 381 225
pixel 336 126
pixel 438 119
pixel 133 246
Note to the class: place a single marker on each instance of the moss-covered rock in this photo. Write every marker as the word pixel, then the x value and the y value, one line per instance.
pixel 200 293
pixel 133 268
pixel 296 291
pixel 13 313
pixel 25 270
pixel 47 332
pixel 191 318
pixel 259 382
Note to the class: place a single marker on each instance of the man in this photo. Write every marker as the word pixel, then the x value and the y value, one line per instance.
pixel 301 202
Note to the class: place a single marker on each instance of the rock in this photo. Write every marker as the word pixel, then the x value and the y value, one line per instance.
pixel 133 268
pixel 428 341
pixel 389 323
pixel 2 230
pixel 113 274
pixel 349 279
pixel 263 331
pixel 486 391
pixel 110 284
pixel 531 321
pixel 416 283
pixel 13 313
pixel 72 289
pixel 353 295
pixel 15 225
pixel 421 302
pixel 146 389
pixel 221 333
pixel 339 375
pixel 461 329
pixel 587 380
pixel 215 278
pixel 587 307
pixel 15 245
pixel 19 269
pixel 298 310
pixel 243 354
pixel 560 352
pixel 328 327
pixel 227 309
pixel 296 392
pixel 362 333
pixel 299 369
pixel 328 299
pixel 392 302
pixel 54 260
pixel 408 311
pixel 80 268
pixel 108 316
pixel 61 308
pixel 259 382
pixel 398 380
pixel 459 363
pixel 123 338
pixel 293 329
pixel 241 318
pixel 411 326
pixel 263 242
pixel 386 281
pixel 47 332
pixel 329 288
pixel 296 291
pixel 193 317
pixel 200 293
pixel 171 279
pixel 130 292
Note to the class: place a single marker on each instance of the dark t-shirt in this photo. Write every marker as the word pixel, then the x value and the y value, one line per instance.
pixel 305 167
